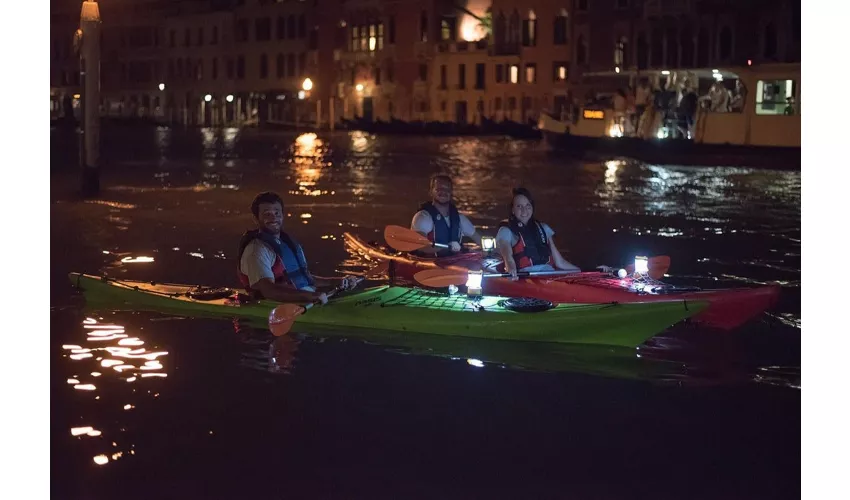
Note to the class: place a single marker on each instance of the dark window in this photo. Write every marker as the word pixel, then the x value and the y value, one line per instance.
pixel 725 43
pixel 390 73
pixel 263 29
pixel 302 64
pixel 642 52
pixel 500 73
pixel 443 76
pixel 290 65
pixel 672 48
pixel 497 104
pixel 264 66
pixel 582 4
pixel 313 42
pixel 581 50
pixel 281 66
pixel 703 48
pixel 423 27
pixel 172 35
pixel 230 69
pixel 302 27
pixel 281 28
pixel 391 28
pixel 187 38
pixel 242 30
pixel 770 41
pixel 214 68
pixel 214 36
pixel 377 76
pixel 423 72
pixel 560 30
pixel 290 27
pixel 240 67
pixel 656 55
pixel 461 76
pixel 480 75
pixel 201 35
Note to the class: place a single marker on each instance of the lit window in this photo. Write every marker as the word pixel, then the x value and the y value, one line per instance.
pixel 530 73
pixel 514 73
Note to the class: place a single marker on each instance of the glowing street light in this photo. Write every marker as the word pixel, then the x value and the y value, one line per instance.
pixel 161 86
pixel 301 94
pixel 307 85
pixel 359 87
pixel 208 98
pixel 229 98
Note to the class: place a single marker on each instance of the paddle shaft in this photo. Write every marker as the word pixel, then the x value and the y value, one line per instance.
pixel 525 274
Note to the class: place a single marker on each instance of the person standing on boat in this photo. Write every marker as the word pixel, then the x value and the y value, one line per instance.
pixel 272 264
pixel 440 222
pixel 525 243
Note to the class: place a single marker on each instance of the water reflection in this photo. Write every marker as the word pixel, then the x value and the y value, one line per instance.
pixel 127 360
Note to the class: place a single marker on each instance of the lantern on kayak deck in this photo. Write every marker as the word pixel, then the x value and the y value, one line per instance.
pixel 488 243
pixel 473 282
pixel 641 265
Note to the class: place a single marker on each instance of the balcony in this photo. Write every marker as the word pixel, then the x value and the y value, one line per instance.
pixel 505 49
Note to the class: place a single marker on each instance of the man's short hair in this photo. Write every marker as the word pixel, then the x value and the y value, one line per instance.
pixel 440 177
pixel 265 197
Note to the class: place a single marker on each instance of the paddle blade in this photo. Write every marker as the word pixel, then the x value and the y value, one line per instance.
pixel 657 266
pixel 282 317
pixel 439 277
pixel 404 239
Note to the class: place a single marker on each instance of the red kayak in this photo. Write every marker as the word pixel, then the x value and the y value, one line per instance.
pixel 728 308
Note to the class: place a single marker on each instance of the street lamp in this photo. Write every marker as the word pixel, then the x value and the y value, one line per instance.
pixel 301 95
pixel 359 87
pixel 208 98
pixel 229 98
pixel 307 85
pixel 161 86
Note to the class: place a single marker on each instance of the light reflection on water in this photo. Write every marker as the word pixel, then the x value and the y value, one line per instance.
pixel 128 360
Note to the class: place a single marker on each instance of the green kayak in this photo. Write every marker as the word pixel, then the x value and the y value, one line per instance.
pixel 410 310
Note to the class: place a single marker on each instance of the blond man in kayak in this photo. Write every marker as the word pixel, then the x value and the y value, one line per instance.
pixel 272 264
pixel 527 244
pixel 440 222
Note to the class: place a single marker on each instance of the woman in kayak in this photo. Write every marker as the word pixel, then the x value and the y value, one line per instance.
pixel 272 264
pixel 439 221
pixel 525 243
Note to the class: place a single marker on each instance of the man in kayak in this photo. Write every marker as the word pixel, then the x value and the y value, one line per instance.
pixel 272 264
pixel 525 243
pixel 440 222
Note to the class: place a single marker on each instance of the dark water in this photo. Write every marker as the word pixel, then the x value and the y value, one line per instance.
pixel 196 408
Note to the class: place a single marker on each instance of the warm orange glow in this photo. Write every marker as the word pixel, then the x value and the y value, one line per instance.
pixel 471 29
pixel 131 260
pixel 101 459
pixel 593 114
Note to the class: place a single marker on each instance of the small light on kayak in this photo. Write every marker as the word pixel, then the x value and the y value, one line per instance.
pixel 641 265
pixel 622 273
pixel 473 282
pixel 475 362
pixel 488 243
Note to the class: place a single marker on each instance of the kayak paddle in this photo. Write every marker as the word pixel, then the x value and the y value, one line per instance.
pixel 283 316
pixel 442 277
pixel 407 240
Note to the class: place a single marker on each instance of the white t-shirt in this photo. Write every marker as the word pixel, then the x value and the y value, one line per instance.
pixel 257 261
pixel 505 234
pixel 423 223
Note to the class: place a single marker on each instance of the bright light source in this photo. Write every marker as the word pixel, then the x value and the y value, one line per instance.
pixel 229 98
pixel 473 282
pixel 475 362
pixel 715 71
pixel 301 94
pixel 208 98
pixel 359 87
pixel 641 265
pixel 749 62
pixel 622 273
pixel 307 85
pixel 161 86
pixel 488 243
pixel 616 69
pixel 665 72
pixel 76 96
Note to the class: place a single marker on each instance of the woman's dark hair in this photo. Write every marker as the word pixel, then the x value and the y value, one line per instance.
pixel 516 192
pixel 265 197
